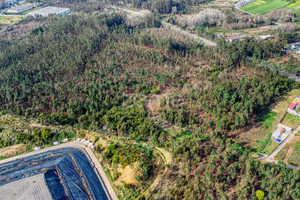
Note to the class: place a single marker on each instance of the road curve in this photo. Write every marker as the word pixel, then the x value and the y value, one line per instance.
pixel 102 176
pixel 171 26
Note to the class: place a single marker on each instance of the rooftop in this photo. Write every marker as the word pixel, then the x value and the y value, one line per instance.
pixel 50 10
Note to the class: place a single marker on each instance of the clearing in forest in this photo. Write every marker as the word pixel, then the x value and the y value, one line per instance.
pixel 260 7
pixel 257 136
pixel 8 20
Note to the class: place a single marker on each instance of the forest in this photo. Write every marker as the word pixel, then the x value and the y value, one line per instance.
pixel 96 72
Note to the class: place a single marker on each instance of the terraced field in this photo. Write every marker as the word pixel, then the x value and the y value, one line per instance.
pixel 264 6
pixel 66 172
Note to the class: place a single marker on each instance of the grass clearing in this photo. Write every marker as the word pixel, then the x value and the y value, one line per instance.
pixel 261 7
pixel 294 5
pixel 291 120
pixel 8 20
pixel 257 136
pixel 271 146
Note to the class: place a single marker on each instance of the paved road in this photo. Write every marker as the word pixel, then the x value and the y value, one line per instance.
pixel 188 34
pixel 171 26
pixel 103 178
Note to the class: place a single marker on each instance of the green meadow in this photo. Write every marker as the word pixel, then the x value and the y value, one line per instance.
pixel 260 7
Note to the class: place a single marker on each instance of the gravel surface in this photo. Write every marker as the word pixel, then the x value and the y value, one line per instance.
pixel 31 188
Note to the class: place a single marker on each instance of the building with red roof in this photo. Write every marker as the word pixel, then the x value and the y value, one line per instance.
pixel 293 106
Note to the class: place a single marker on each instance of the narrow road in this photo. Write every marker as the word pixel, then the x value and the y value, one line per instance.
pixel 188 34
pixel 171 26
pixel 288 75
pixel 270 158
pixel 102 176
pixel 274 153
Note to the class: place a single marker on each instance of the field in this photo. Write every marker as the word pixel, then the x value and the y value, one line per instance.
pixel 295 7
pixel 267 121
pixel 291 120
pixel 260 7
pixel 9 19
pixel 291 152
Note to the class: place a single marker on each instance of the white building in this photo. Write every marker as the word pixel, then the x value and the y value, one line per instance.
pixel 19 8
pixel 49 10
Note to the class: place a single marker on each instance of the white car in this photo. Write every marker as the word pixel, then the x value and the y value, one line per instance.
pixel 36 148
pixel 65 140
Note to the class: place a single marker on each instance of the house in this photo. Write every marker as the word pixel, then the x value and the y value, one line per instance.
pixel 10 2
pixel 293 106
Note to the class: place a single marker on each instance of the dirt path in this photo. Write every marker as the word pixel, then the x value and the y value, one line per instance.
pixel 289 153
pixel 188 34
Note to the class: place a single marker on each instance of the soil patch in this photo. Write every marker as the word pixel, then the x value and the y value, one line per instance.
pixel 128 175
pixel 12 150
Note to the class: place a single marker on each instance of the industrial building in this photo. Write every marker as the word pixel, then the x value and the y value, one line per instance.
pixel 19 8
pixel 49 10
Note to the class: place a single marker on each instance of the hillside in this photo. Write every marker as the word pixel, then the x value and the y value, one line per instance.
pixel 143 92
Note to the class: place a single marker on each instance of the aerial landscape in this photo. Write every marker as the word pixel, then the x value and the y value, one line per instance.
pixel 149 99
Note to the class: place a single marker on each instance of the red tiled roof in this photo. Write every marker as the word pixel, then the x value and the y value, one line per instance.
pixel 292 106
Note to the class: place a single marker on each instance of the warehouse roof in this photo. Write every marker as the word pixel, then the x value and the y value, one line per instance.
pixel 19 8
pixel 50 10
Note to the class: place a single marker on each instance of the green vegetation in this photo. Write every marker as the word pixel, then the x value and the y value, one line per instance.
pixel 140 158
pixel 97 73
pixel 264 6
pixel 9 19
pixel 270 147
pixel 295 156
pixel 291 120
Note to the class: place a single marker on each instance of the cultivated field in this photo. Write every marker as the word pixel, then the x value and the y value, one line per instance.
pixel 260 7
pixel 291 152
pixel 291 120
pixel 295 7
